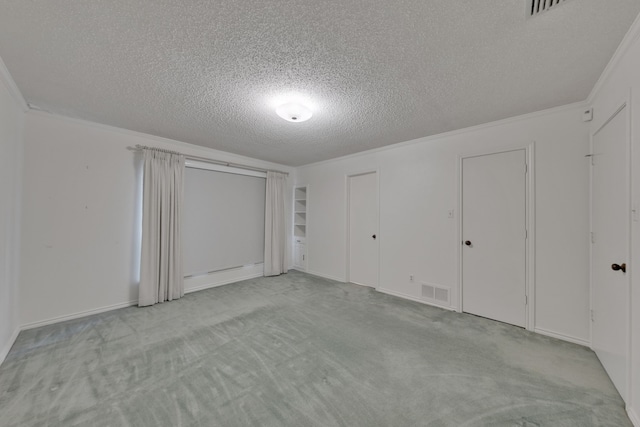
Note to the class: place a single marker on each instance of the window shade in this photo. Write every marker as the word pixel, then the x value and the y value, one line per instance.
pixel 223 220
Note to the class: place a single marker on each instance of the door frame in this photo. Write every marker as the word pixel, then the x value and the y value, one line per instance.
pixel 292 255
pixel 530 222
pixel 347 183
pixel 619 107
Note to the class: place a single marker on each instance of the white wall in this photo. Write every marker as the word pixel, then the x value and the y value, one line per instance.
pixel 11 127
pixel 419 184
pixel 80 228
pixel 620 82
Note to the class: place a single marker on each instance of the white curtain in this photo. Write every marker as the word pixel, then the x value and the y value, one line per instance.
pixel 275 261
pixel 161 277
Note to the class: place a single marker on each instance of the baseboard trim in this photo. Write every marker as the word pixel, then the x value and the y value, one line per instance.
pixel 635 420
pixel 362 284
pixel 325 276
pixel 7 348
pixel 563 337
pixel 77 315
pixel 412 298
pixel 257 272
pixel 222 277
pixel 223 282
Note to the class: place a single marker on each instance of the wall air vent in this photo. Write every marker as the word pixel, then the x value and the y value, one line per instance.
pixel 536 7
pixel 436 294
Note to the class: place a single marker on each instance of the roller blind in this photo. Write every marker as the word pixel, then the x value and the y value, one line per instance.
pixel 223 219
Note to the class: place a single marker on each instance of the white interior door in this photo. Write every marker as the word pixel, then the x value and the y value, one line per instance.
pixel 610 248
pixel 363 229
pixel 494 203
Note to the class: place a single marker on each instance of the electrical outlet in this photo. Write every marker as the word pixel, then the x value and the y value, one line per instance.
pixel 411 277
pixel 450 213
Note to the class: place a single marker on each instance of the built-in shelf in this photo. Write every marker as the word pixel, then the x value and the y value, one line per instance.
pixel 300 212
pixel 301 193
pixel 300 218
pixel 300 206
pixel 300 227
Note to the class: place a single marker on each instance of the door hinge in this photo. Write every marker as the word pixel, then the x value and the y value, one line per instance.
pixel 526 300
pixel 593 316
pixel 593 239
pixel 526 234
pixel 526 168
pixel 303 257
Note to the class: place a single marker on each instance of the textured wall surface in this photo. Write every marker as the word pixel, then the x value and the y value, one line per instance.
pixel 375 73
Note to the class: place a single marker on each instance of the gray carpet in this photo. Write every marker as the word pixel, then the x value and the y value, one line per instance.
pixel 298 350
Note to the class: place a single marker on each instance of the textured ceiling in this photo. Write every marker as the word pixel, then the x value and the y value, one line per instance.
pixel 374 72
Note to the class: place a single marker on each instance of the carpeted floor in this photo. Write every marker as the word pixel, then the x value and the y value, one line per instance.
pixel 298 350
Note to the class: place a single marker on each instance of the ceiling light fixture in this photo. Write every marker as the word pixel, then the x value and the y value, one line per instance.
pixel 293 112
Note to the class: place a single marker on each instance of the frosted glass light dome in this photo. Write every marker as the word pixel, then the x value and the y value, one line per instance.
pixel 293 112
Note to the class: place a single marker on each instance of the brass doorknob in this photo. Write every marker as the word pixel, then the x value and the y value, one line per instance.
pixel 616 267
pixel 374 237
pixel 468 243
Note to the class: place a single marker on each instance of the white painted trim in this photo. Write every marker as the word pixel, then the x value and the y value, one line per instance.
pixel 633 416
pixel 77 315
pixel 193 149
pixel 629 39
pixel 412 298
pixel 304 267
pixel 503 122
pixel 562 337
pixel 347 257
pixel 255 271
pixel 363 285
pixel 7 348
pixel 530 220
pixel 326 276
pixel 459 235
pixel 12 87
pixel 630 367
pixel 531 236
pixel 228 276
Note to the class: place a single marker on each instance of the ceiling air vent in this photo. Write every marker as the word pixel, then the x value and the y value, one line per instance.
pixel 536 7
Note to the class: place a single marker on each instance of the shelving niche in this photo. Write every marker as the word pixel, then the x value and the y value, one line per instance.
pixel 300 228
pixel 300 212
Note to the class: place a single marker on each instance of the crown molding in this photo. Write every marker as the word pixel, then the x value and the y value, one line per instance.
pixel 6 78
pixel 193 149
pixel 629 39
pixel 471 129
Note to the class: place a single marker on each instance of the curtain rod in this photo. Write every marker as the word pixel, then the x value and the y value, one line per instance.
pixel 139 147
